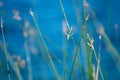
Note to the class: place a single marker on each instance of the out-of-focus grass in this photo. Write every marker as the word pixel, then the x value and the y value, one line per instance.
pixel 92 71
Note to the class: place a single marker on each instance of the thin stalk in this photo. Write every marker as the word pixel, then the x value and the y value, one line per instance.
pixel 98 66
pixel 18 71
pixel 97 63
pixel 65 56
pixel 76 53
pixel 90 68
pixel 61 5
pixel 75 57
pixel 15 66
pixel 85 15
pixel 28 61
pixel 80 68
pixel 53 55
pixel 5 50
pixel 76 5
pixel 2 70
pixel 68 26
pixel 44 45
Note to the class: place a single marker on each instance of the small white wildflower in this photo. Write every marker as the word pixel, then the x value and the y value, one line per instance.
pixel 90 42
pixel 68 36
pixel 22 63
pixel 2 22
pixel 31 32
pixel 16 15
pixel 31 12
pixel 100 37
pixel 85 4
pixel 18 61
pixel 88 37
pixel 64 27
pixel 65 30
pixel 87 17
pixel 90 45
pixel 70 33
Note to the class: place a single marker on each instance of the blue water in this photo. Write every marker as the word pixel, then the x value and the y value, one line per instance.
pixel 49 17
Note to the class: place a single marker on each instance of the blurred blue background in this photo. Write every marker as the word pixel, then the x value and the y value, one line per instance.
pixel 48 13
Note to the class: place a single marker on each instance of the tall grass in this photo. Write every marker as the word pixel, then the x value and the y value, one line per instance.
pixel 28 58
pixel 44 45
pixel 2 69
pixel 91 73
pixel 5 50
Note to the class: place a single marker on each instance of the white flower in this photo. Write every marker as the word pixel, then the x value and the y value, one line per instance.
pixel 85 4
pixel 87 17
pixel 2 22
pixel 90 42
pixel 69 33
pixel 16 15
pixel 100 37
pixel 31 12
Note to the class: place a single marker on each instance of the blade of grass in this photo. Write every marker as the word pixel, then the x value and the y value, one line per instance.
pixel 65 57
pixel 68 26
pixel 97 63
pixel 51 61
pixel 75 57
pixel 2 70
pixel 14 66
pixel 28 60
pixel 98 66
pixel 5 50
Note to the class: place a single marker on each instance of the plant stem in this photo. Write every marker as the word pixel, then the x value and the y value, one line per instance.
pixel 5 50
pixel 75 57
pixel 97 63
pixel 28 61
pixel 44 45
pixel 68 26
pixel 65 56
pixel 2 70
pixel 14 66
pixel 64 14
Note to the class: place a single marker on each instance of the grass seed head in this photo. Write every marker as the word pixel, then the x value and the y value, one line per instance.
pixel 90 42
pixel 87 17
pixel 31 12
pixel 2 22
